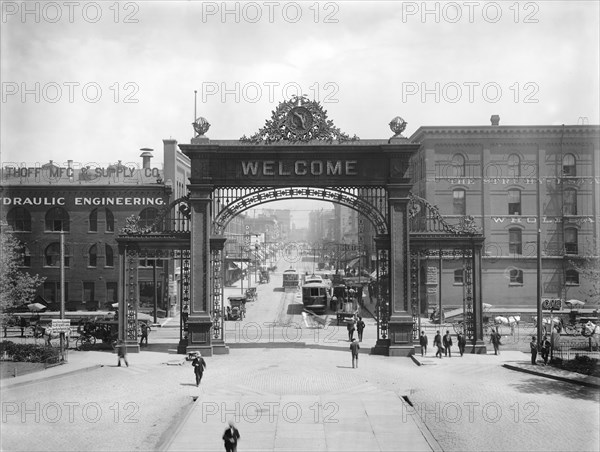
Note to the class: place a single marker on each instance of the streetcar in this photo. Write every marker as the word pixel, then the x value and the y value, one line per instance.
pixel 291 278
pixel 316 296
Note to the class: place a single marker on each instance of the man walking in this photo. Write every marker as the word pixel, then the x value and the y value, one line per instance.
pixel 360 326
pixel 351 328
pixel 122 353
pixel 144 336
pixel 231 437
pixel 423 343
pixel 199 365
pixel 545 349
pixel 447 344
pixel 495 340
pixel 462 342
pixel 437 342
pixel 534 350
pixel 354 348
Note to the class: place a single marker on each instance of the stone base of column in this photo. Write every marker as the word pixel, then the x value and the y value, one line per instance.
pixel 381 347
pixel 400 331
pixel 199 337
pixel 478 348
pixel 132 346
pixel 219 347
pixel 402 350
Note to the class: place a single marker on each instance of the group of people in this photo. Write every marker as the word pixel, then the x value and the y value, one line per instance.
pixel 355 324
pixel 443 344
pixel 544 347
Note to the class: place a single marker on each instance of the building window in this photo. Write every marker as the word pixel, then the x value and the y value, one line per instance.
pixel 110 220
pixel 19 219
pixel 458 165
pixel 93 256
pixel 52 255
pixel 112 294
pixel 89 289
pixel 52 291
pixel 24 255
pixel 571 241
pixel 458 202
pixel 459 277
pixel 57 219
pixel 516 276
pixel 147 217
pixel 570 201
pixel 110 257
pixel 514 202
pixel 568 165
pixel 514 165
pixel 515 241
pixel 572 278
pixel 93 221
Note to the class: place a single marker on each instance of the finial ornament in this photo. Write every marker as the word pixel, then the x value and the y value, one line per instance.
pixel 201 126
pixel 398 125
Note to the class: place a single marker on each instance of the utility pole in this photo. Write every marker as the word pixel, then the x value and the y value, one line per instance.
pixel 62 288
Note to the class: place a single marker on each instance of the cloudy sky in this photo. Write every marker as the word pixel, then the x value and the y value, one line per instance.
pixel 98 81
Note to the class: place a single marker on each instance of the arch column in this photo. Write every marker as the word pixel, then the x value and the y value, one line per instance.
pixel 401 322
pixel 199 320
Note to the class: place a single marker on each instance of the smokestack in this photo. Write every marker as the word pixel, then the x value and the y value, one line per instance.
pixel 146 156
pixel 495 120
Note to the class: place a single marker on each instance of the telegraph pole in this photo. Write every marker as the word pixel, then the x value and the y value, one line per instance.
pixel 62 289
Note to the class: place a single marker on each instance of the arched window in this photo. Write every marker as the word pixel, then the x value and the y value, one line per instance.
pixel 57 219
pixel 514 165
pixel 569 165
pixel 570 201
pixel 93 256
pixel 459 206
pixel 514 201
pixel 458 165
pixel 572 277
pixel 110 258
pixel 147 217
pixel 570 241
pixel 52 255
pixel 19 219
pixel 516 276
pixel 110 220
pixel 93 221
pixel 515 241
pixel 459 277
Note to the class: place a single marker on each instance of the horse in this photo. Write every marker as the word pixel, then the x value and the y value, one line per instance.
pixel 592 332
pixel 49 334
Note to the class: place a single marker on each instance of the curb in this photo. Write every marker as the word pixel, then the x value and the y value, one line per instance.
pixel 423 428
pixel 52 377
pixel 415 360
pixel 590 384
pixel 169 435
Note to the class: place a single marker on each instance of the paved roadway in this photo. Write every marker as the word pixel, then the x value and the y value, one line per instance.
pixel 294 389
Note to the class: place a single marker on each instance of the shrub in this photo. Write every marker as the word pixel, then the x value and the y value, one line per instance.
pixel 31 353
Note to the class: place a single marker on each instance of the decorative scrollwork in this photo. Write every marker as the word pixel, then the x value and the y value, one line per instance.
pixel 431 220
pixel 298 120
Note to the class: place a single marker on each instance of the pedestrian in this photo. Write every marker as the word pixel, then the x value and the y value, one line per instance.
pixel 333 304
pixel 423 342
pixel 351 327
pixel 447 341
pixel 122 353
pixel 545 347
pixel 437 342
pixel 231 438
pixel 495 340
pixel 462 342
pixel 199 366
pixel 186 313
pixel 23 325
pixel 145 328
pixel 534 350
pixel 354 348
pixel 360 326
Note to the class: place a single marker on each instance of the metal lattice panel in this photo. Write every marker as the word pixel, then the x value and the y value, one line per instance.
pixel 217 294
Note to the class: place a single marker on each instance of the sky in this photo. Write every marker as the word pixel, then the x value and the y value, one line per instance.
pixel 96 81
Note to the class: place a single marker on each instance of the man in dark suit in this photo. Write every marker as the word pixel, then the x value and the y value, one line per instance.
pixel 437 342
pixel 462 342
pixel 231 437
pixel 354 348
pixel 447 341
pixel 199 365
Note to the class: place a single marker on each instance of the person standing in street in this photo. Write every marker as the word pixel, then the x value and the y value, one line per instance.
pixel 423 342
pixel 354 348
pixel 462 342
pixel 231 438
pixel 199 365
pixel 495 340
pixel 534 350
pixel 545 349
pixel 351 328
pixel 447 341
pixel 360 326
pixel 144 330
pixel 122 353
pixel 437 342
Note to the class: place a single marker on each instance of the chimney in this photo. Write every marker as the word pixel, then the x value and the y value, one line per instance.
pixel 146 155
pixel 495 120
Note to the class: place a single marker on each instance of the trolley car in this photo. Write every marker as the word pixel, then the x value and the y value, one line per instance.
pixel 315 296
pixel 290 279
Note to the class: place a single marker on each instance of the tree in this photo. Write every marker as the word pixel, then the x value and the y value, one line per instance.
pixel 16 286
pixel 588 267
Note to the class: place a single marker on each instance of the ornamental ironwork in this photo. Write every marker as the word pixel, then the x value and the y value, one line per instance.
pixel 217 294
pixel 298 120
pixel 425 217
pixel 168 219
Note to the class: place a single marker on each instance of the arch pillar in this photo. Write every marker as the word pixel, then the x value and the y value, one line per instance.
pixel 400 324
pixel 199 320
